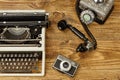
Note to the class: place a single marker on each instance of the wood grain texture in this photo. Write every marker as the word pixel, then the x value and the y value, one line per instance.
pixel 101 64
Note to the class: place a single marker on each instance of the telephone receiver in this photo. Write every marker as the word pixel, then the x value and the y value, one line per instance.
pixel 83 47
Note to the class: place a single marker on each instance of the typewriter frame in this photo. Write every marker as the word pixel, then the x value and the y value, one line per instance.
pixel 26 49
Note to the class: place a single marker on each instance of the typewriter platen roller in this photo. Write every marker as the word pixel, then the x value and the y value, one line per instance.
pixel 22 42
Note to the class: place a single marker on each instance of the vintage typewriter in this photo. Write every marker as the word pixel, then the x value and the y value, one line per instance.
pixel 22 42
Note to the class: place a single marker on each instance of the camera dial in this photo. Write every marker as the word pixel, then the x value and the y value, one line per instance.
pixel 65 65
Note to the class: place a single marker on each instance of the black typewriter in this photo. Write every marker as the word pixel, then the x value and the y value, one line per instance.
pixel 22 42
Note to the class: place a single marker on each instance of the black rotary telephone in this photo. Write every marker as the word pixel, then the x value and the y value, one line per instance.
pixel 93 10
pixel 89 11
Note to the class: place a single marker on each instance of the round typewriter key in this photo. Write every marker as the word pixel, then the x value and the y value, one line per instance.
pixel 14 63
pixel 23 55
pixel 13 67
pixel 33 59
pixel 5 67
pixel 9 67
pixel 18 64
pixel 17 67
pixel 4 55
pixel 27 55
pixel 25 59
pixel 29 59
pixel 23 63
pixel 2 59
pixel 18 59
pixel 15 55
pixel 37 60
pixel 7 64
pixel 9 59
pixel 3 64
pixel 0 68
pixel 11 55
pixel 6 59
pixel 8 55
pixel 25 67
pixel 31 55
pixel 11 64
pixel 36 54
pixel 21 67
pixel 19 55
pixel 14 59
pixel 28 67
pixel 26 63
pixel 30 63
pixel 21 59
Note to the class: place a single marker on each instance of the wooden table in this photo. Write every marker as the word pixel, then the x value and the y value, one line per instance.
pixel 101 64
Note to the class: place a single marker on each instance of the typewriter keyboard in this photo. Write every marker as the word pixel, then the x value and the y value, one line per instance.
pixel 20 62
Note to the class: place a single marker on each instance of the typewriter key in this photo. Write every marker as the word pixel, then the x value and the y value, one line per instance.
pixel 18 64
pixel 9 67
pixel 11 64
pixel 18 59
pixel 5 67
pixel 4 55
pixel 11 55
pixel 15 55
pixel 21 59
pixel 17 67
pixel 9 59
pixel 6 59
pixel 19 55
pixel 14 63
pixel 8 55
pixel 2 59
pixel 13 59
pixel 25 59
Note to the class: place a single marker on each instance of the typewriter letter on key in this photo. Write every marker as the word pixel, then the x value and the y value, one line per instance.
pixel 22 42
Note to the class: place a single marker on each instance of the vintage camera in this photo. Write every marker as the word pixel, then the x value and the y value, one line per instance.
pixel 22 42
pixel 94 10
pixel 65 65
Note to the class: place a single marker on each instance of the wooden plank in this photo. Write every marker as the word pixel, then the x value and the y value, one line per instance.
pixel 101 64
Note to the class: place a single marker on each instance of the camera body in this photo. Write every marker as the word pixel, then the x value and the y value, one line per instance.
pixel 65 65
pixel 100 8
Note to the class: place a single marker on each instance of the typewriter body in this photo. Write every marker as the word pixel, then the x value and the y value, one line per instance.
pixel 22 42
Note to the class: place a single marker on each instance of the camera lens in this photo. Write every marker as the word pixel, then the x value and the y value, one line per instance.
pixel 65 65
